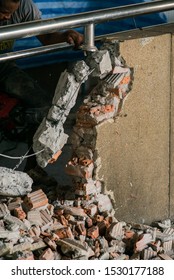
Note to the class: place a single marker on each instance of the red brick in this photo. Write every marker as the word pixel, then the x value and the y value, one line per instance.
pixel 47 255
pixel 93 232
pixel 35 199
pixel 64 233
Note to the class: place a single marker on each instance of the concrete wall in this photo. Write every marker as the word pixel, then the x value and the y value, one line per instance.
pixel 134 150
pixel 171 189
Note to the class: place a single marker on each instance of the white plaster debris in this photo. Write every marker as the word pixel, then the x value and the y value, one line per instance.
pixel 64 89
pixel 50 135
pixel 80 71
pixel 56 113
pixel 103 203
pixel 113 48
pixel 3 210
pixel 101 62
pixel 50 138
pixel 14 183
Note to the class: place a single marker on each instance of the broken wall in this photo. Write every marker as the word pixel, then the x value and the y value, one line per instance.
pixel 134 150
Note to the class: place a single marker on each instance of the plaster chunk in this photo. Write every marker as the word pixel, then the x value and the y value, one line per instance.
pixel 57 114
pixel 101 62
pixel 11 220
pixel 80 71
pixel 3 210
pixel 104 203
pixel 9 235
pixel 66 88
pixel 14 183
pixel 50 137
pixel 6 248
pixel 113 48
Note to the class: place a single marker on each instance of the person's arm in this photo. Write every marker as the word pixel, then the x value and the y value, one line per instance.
pixel 69 36
pixel 30 12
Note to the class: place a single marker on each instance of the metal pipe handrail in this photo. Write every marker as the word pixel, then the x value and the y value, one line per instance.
pixel 65 46
pixel 38 27
pixel 34 51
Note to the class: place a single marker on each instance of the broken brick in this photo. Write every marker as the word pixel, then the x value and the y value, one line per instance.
pixel 51 243
pixel 93 232
pixel 80 228
pixel 47 255
pixel 64 233
pixel 35 200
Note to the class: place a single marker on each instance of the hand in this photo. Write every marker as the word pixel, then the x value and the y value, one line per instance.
pixel 73 37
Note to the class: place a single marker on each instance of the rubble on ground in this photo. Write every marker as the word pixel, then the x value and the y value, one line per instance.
pixel 41 227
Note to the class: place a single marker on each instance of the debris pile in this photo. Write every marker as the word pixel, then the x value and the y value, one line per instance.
pixel 33 229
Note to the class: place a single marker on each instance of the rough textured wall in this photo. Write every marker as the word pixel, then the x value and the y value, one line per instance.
pixel 134 150
pixel 171 191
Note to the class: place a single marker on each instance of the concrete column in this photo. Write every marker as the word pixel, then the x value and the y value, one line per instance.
pixel 134 149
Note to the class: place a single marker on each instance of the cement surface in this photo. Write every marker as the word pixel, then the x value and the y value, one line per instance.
pixel 135 149
pixel 171 190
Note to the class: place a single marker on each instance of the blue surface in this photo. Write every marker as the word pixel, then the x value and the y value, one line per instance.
pixel 52 8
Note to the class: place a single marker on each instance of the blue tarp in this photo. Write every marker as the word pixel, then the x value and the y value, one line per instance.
pixel 52 8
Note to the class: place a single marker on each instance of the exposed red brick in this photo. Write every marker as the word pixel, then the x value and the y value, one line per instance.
pixel 64 233
pixel 35 199
pixel 55 157
pixel 93 232
pixel 80 228
pixel 125 80
pixel 63 221
pixel 59 211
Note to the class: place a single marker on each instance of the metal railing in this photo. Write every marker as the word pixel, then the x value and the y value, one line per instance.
pixel 86 20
